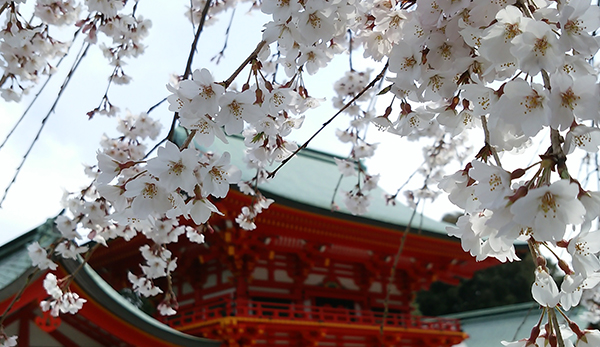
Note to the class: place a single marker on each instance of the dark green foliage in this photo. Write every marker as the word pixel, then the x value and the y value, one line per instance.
pixel 500 285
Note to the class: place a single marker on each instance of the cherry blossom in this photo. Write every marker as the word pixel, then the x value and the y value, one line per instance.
pixel 39 257
pixel 510 73
pixel 549 209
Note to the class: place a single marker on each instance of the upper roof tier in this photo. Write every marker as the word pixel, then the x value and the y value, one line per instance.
pixel 311 179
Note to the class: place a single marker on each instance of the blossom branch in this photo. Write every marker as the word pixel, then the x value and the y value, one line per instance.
pixel 188 65
pixel 486 132
pixel 4 6
pixel 43 123
pixel 221 54
pixel 388 291
pixel 250 58
pixel 348 104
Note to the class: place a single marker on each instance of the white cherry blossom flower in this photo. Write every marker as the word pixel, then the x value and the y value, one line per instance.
pixel 174 168
pixel 537 48
pixel 461 191
pixel 497 40
pixel 246 219
pixel 573 97
pixel 39 257
pixel 203 91
pixel 193 235
pixel 218 175
pixel 589 338
pixel 280 9
pixel 578 19
pixel 69 250
pixel 237 108
pixel 205 127
pixel 405 61
pixel 148 196
pixel 584 137
pixel 469 240
pixel 8 341
pixel 522 105
pixel 548 209
pixel 200 209
pixel 544 290
pixel 165 309
pixel 51 286
pixel 357 202
pixel 583 249
pixel 493 184
pixel 315 25
pixel 143 285
pixel 347 168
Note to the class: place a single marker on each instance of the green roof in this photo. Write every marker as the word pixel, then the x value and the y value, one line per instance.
pixel 310 179
pixel 14 258
pixel 15 267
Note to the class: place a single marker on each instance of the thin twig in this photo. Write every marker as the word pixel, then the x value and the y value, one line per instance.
pixel 3 80
pixel 60 92
pixel 350 49
pixel 251 57
pixel 188 65
pixel 222 52
pixel 226 84
pixel 554 322
pixel 88 255
pixel 486 132
pixel 393 272
pixel 335 190
pixel 41 89
pixel 348 104
pixel 2 11
pixel 18 296
pixel 522 323
pixel 156 105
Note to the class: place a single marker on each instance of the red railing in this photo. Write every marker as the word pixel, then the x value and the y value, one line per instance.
pixel 256 309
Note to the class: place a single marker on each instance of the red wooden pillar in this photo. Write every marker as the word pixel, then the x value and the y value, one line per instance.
pixel 24 331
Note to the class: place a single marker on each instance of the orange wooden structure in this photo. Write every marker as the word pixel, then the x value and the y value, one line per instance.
pixel 307 276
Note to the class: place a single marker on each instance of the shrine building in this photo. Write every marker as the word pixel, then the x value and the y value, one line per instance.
pixel 306 276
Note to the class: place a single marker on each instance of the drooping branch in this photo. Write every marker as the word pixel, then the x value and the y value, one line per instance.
pixel 348 104
pixel 250 58
pixel 43 123
pixel 188 65
pixel 221 54
pixel 388 290
pixel 39 91
pixel 486 132
pixel 226 84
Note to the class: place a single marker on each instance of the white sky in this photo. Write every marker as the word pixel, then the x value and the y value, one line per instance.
pixel 69 139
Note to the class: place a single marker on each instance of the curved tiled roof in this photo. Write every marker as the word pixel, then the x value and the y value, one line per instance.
pixel 310 179
pixel 15 268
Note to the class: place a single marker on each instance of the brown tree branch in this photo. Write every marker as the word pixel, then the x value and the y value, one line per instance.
pixel 348 104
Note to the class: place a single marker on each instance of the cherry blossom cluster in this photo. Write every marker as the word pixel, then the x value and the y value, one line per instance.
pixel 510 71
pixel 28 51
pixel 61 301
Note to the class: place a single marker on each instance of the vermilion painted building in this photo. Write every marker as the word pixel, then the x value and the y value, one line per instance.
pixel 306 276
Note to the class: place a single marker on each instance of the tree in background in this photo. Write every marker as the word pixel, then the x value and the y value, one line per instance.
pixel 509 71
pixel 488 288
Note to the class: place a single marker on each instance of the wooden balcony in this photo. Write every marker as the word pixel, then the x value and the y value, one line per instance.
pixel 198 315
